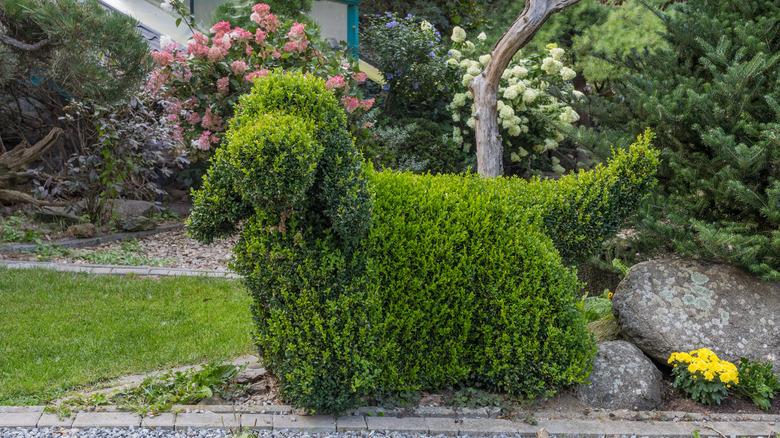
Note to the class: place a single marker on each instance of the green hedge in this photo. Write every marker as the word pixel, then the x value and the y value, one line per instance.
pixel 369 282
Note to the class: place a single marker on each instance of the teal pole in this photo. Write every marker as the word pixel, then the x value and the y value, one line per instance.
pixel 352 29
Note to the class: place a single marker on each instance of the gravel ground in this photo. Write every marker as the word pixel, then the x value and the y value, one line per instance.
pixel 173 249
pixel 194 433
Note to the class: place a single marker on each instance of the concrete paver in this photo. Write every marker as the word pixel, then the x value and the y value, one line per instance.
pixel 443 426
pixel 19 419
pixel 351 422
pixel 165 420
pixel 257 421
pixel 406 425
pixel 208 420
pixel 311 423
pixel 52 420
pixel 106 419
pixel 486 427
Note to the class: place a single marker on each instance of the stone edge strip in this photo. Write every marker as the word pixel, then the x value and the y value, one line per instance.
pixel 116 269
pixel 90 241
pixel 612 425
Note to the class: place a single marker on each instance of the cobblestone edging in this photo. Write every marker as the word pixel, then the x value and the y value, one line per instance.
pixel 116 269
pixel 90 241
pixel 595 424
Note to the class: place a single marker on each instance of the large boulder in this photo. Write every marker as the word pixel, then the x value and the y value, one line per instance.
pixel 622 378
pixel 665 306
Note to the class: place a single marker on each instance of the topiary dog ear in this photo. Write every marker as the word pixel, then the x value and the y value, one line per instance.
pixel 217 207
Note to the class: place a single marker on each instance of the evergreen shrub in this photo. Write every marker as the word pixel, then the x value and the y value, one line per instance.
pixel 368 282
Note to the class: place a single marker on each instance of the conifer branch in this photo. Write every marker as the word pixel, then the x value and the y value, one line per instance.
pixel 23 46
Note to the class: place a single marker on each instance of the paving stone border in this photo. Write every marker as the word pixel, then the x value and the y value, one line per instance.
pixel 116 269
pixel 90 241
pixel 598 423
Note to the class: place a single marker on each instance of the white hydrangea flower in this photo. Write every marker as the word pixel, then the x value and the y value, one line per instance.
pixel 484 59
pixel 467 80
pixel 567 74
pixel 459 100
pixel 506 74
pixel 452 63
pixel 559 136
pixel 466 63
pixel 525 129
pixel 506 112
pixel 165 41
pixel 557 53
pixel 530 95
pixel 520 71
pixel 482 36
pixel 466 147
pixel 550 144
pixel 514 157
pixel 539 148
pixel 425 25
pixel 455 53
pixel 578 94
pixel 512 92
pixel 166 6
pixel 473 71
pixel 551 66
pixel 514 130
pixel 469 45
pixel 522 152
pixel 471 122
pixel 458 34
pixel 500 105
pixel 455 117
pixel 568 115
pixel 456 131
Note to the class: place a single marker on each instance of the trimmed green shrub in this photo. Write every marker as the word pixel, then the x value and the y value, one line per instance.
pixel 369 282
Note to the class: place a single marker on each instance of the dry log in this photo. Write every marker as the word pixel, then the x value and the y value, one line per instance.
pixel 23 155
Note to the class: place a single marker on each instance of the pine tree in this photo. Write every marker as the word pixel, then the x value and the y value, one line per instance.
pixel 713 99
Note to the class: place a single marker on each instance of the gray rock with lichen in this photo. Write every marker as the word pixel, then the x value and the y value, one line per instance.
pixel 622 378
pixel 665 306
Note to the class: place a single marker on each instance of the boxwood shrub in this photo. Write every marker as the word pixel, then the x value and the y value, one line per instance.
pixel 368 282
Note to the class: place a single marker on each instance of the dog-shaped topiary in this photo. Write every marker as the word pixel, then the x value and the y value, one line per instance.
pixel 367 282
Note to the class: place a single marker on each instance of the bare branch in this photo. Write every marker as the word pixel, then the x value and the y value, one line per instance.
pixel 23 46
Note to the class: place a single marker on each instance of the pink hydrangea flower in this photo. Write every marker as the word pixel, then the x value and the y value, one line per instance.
pixel 241 35
pixel 162 58
pixel 200 38
pixel 296 46
pixel 360 77
pixel 238 67
pixel 297 31
pixel 335 82
pixel 193 118
pixel 211 120
pixel 220 28
pixel 222 85
pixel 366 104
pixel 350 103
pixel 215 54
pixel 173 118
pixel 204 142
pixel 256 74
pixel 260 37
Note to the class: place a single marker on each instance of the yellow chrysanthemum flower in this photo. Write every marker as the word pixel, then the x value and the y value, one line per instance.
pixel 693 367
pixel 709 375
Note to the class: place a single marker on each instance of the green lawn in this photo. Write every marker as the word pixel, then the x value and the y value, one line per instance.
pixel 61 331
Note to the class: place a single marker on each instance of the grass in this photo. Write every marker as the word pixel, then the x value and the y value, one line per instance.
pixel 61 331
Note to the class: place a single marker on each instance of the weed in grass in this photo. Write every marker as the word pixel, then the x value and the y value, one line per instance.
pixel 159 393
pixel 47 252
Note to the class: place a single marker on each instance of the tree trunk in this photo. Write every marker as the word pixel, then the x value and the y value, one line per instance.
pixel 14 164
pixel 484 87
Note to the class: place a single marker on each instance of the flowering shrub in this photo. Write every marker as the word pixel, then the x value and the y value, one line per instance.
pixel 702 376
pixel 524 106
pixel 200 84
pixel 410 56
